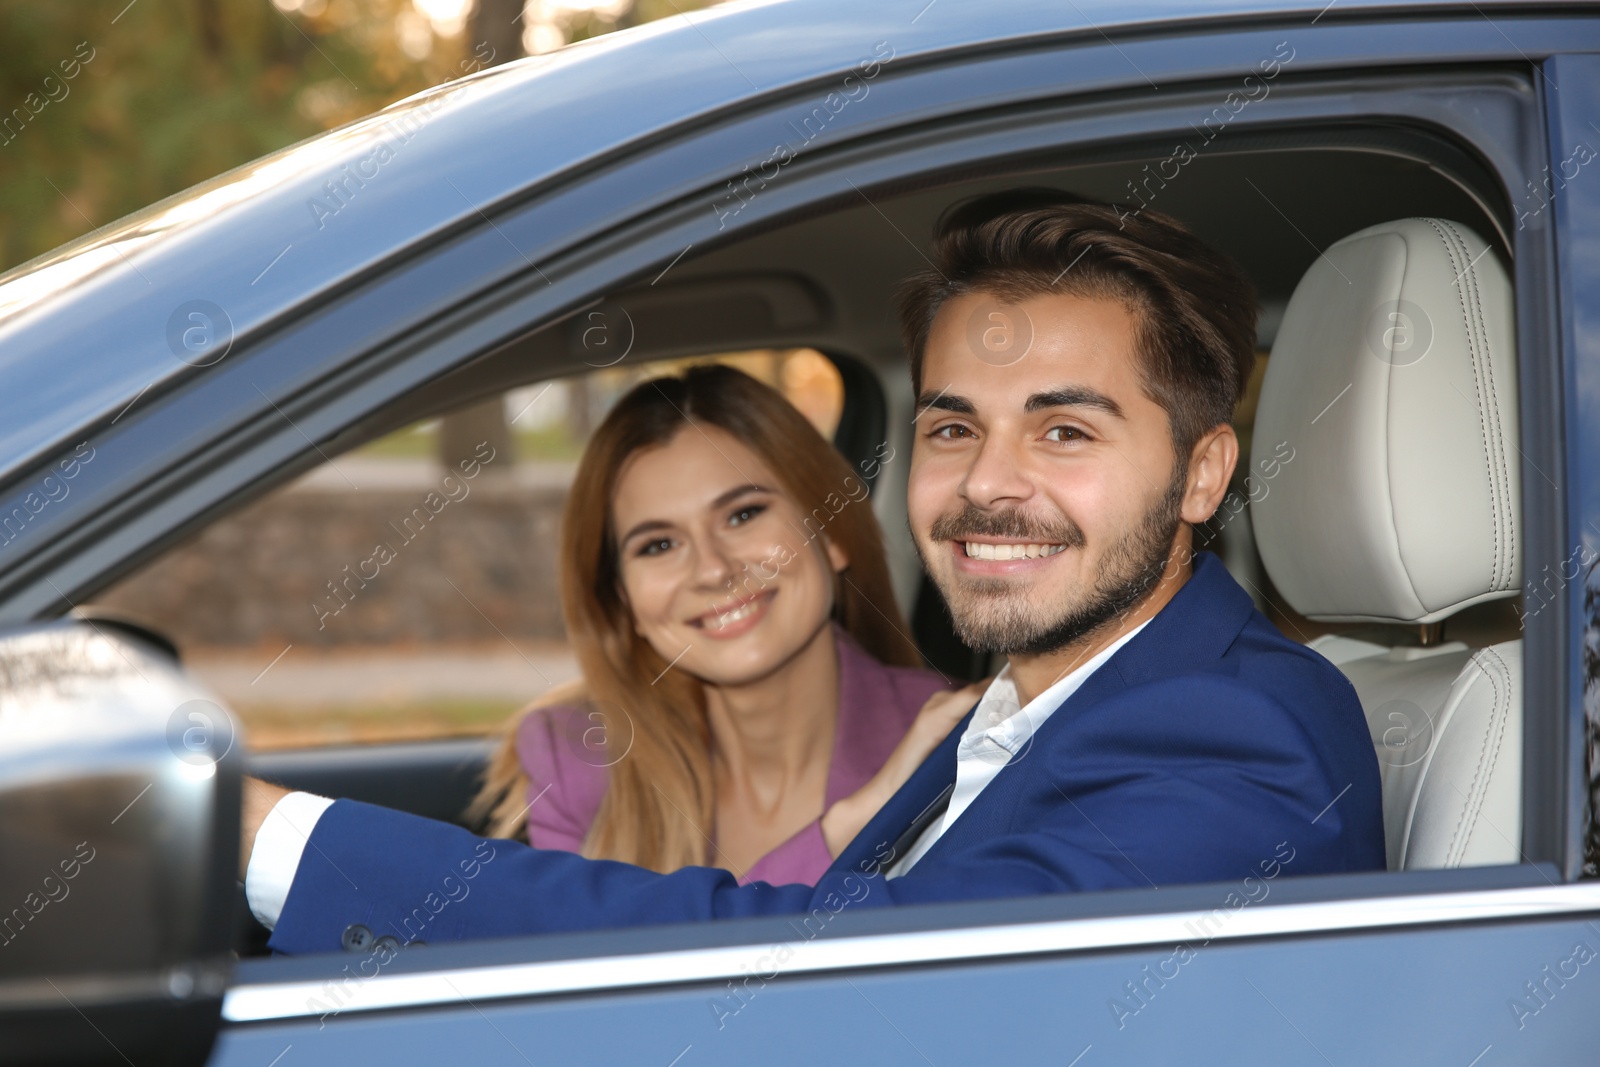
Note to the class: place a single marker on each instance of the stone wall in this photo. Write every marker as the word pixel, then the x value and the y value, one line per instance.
pixel 412 555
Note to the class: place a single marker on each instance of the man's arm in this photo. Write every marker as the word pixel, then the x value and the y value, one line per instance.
pixel 1165 784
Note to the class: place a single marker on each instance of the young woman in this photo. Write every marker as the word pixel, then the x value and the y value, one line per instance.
pixel 749 697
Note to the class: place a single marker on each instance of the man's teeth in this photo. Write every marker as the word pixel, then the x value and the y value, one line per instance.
pixel 977 550
pixel 717 622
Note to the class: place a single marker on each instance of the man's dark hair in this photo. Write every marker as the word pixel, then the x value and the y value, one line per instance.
pixel 1195 310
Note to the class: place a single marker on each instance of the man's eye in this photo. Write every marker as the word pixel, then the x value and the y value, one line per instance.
pixel 952 432
pixel 745 514
pixel 1065 433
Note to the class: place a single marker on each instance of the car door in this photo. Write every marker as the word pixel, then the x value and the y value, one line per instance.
pixel 1402 967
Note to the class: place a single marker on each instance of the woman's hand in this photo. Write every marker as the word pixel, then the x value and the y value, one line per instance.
pixel 847 817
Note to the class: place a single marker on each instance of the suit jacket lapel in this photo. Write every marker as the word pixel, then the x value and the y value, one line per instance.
pixel 1196 627
pixel 934 777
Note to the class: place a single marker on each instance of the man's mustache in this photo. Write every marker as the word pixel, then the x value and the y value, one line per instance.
pixel 1011 524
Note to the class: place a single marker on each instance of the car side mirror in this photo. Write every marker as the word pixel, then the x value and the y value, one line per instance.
pixel 119 839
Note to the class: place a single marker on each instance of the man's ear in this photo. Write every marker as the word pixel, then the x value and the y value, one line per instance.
pixel 838 558
pixel 1210 469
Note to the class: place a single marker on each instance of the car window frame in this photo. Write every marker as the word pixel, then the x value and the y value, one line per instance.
pixel 1394 898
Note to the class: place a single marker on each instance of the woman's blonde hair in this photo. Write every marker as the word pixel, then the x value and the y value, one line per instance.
pixel 659 798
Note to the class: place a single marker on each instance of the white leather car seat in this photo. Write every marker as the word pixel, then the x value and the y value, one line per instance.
pixel 1393 379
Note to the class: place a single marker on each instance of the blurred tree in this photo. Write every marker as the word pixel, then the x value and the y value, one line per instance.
pixel 497 23
pixel 109 105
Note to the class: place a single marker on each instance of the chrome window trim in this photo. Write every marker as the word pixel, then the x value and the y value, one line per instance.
pixel 270 1001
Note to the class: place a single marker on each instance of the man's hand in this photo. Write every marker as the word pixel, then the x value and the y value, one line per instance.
pixel 259 800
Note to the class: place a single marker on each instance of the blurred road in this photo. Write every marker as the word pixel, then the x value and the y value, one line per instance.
pixel 316 696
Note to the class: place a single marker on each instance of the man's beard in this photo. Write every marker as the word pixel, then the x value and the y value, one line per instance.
pixel 994 615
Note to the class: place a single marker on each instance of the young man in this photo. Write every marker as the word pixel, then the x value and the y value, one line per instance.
pixel 1076 372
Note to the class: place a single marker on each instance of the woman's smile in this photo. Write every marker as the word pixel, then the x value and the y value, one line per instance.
pixel 735 618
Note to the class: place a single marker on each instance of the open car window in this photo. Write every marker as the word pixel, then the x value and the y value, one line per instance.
pixel 447 622
pixel 406 590
pixel 454 632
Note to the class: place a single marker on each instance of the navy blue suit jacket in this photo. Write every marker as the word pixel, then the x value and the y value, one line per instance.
pixel 1208 748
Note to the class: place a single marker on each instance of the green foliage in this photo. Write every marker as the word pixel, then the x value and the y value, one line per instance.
pixel 107 106
pixel 174 92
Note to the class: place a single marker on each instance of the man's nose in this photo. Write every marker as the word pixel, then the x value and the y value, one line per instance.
pixel 998 474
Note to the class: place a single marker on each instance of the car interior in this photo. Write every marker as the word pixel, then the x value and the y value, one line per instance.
pixel 1386 371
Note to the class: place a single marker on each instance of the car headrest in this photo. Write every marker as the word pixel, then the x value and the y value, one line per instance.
pixel 1393 381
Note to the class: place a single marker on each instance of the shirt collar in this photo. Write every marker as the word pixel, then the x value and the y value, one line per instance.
pixel 1000 727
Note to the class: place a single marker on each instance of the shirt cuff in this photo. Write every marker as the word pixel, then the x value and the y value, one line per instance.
pixel 276 856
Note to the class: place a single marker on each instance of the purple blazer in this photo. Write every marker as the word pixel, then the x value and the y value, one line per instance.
pixel 876 707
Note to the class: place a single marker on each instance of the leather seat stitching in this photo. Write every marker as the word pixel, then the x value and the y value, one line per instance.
pixel 1477 385
pixel 1488 753
pixel 1459 253
pixel 1506 553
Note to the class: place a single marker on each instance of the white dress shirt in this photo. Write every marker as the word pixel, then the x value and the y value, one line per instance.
pixel 276 856
pixel 997 732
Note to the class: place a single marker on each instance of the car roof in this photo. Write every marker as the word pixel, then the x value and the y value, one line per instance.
pixel 87 327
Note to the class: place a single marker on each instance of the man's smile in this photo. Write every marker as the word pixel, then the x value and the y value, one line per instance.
pixel 993 558
pixel 1008 550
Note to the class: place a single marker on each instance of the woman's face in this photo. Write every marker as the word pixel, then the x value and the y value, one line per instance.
pixel 722 576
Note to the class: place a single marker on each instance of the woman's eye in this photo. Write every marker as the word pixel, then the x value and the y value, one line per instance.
pixel 1065 433
pixel 655 548
pixel 745 514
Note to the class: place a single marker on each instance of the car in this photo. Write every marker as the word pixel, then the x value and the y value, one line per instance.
pixel 760 175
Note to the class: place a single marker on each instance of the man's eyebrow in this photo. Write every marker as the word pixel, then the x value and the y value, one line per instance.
pixel 1073 396
pixel 943 401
